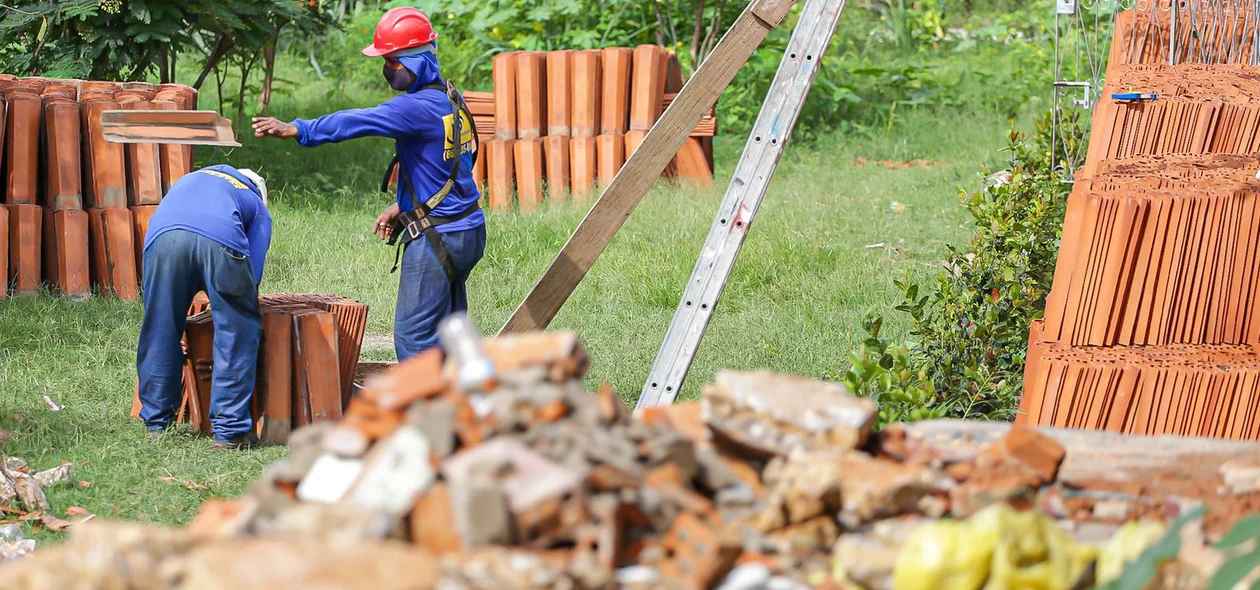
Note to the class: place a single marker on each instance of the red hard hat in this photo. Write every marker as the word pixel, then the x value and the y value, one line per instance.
pixel 400 28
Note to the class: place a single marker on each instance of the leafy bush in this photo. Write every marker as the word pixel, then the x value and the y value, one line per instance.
pixel 969 334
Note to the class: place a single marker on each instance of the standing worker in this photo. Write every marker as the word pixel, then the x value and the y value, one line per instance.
pixel 210 233
pixel 435 146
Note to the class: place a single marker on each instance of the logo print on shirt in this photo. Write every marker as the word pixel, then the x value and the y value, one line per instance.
pixel 466 135
pixel 228 177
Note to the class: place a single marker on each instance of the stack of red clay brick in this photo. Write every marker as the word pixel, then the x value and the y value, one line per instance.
pixel 76 206
pixel 559 122
pixel 1154 314
pixel 306 369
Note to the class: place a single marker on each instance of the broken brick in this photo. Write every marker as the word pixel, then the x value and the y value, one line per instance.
pixel 767 414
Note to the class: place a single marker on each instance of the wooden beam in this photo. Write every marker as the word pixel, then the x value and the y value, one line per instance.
pixel 644 167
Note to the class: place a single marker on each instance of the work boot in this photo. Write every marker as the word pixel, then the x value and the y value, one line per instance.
pixel 156 433
pixel 240 443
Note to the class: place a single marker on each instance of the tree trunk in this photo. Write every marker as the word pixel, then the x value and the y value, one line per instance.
pixel 660 23
pixel 164 70
pixel 697 35
pixel 269 71
pixel 221 49
pixel 240 93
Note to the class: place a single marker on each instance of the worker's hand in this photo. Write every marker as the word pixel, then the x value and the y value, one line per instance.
pixel 273 127
pixel 385 222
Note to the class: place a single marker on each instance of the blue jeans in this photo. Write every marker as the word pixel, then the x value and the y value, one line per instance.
pixel 177 265
pixel 425 295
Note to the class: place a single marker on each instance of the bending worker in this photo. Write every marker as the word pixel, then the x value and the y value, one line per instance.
pixel 210 233
pixel 436 218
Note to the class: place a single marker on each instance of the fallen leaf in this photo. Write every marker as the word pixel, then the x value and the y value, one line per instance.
pixel 85 484
pixel 17 417
pixel 77 511
pixel 187 483
pixel 55 524
pixel 83 463
pixel 31 516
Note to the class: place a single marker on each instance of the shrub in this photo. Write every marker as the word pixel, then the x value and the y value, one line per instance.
pixel 969 335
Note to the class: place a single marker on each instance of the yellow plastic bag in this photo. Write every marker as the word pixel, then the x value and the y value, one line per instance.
pixel 996 549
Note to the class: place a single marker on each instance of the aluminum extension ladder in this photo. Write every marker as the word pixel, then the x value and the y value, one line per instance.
pixel 801 60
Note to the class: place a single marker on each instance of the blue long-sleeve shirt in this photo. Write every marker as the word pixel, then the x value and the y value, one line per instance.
pixel 420 123
pixel 221 204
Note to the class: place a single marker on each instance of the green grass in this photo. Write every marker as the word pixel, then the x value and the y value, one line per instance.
pixel 794 303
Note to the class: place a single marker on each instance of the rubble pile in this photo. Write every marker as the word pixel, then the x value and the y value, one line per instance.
pixel 493 468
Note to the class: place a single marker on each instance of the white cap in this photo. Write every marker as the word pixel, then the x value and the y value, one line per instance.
pixel 257 180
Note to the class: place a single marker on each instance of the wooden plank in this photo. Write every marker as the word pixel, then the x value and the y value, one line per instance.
pixel 634 180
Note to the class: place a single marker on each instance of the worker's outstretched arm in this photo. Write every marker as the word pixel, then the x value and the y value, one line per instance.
pixel 392 118
pixel 259 236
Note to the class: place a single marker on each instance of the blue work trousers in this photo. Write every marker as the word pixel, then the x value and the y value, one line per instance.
pixel 425 295
pixel 177 265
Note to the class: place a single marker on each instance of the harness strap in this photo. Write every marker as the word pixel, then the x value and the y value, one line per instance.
pixel 419 221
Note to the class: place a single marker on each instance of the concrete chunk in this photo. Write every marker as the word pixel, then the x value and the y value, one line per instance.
pixel 771 414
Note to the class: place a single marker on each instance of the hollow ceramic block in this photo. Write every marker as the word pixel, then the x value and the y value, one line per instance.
pixel 144 167
pixel 585 73
pixel 22 149
pixel 104 165
pixel 673 73
pixel 647 86
pixel 610 151
pixel 531 94
pixel 277 415
pixel 556 157
pixel 559 93
pixel 140 216
pixel 317 335
pixel 113 252
pixel 692 165
pixel 62 156
pixel 175 158
pixel 529 174
pixel 634 138
pixel 26 223
pixel 501 170
pixel 582 167
pixel 4 252
pixel 66 261
pixel 504 74
pixel 615 90
pixel 479 167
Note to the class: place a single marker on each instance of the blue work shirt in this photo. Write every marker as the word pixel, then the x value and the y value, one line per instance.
pixel 420 123
pixel 221 204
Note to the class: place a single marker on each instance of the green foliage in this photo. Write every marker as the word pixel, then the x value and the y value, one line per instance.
pixel 1141 572
pixel 1242 544
pixel 969 333
pixel 884 372
pixel 138 39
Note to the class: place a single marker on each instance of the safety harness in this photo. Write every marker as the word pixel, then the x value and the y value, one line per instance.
pixel 420 220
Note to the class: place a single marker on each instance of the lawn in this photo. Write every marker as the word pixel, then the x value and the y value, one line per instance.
pixel 823 252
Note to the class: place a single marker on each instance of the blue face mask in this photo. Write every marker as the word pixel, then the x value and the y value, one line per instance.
pixel 417 70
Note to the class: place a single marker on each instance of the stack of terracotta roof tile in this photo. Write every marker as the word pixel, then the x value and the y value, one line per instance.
pixel 307 364
pixel 562 121
pixel 1153 318
pixel 77 206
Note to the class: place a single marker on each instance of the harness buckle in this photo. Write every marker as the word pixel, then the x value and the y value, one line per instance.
pixel 413 229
